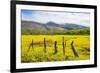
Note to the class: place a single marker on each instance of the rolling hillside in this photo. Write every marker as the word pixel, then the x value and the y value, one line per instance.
pixel 30 27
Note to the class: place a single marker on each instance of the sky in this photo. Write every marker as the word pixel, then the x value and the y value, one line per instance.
pixel 57 17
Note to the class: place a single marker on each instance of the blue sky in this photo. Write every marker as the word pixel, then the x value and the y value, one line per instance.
pixel 57 17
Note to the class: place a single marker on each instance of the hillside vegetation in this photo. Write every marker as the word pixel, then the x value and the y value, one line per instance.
pixel 84 31
pixel 51 28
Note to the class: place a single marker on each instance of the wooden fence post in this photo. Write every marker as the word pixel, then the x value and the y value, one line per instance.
pixel 44 45
pixel 63 44
pixel 73 49
pixel 55 47
pixel 31 45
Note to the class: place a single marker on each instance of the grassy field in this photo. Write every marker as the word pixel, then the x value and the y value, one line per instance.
pixel 81 44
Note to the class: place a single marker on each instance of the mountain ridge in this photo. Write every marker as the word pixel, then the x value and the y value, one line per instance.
pixel 50 27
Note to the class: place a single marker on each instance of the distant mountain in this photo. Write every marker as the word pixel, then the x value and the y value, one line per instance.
pixel 31 27
pixel 40 26
pixel 65 26
pixel 52 24
pixel 72 26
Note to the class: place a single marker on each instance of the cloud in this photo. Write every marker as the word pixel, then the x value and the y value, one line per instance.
pixel 58 17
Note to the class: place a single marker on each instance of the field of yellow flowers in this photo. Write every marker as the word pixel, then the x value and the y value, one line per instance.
pixel 37 54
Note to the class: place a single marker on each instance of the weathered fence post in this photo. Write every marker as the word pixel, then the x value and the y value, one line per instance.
pixel 73 49
pixel 55 47
pixel 44 45
pixel 63 44
pixel 31 45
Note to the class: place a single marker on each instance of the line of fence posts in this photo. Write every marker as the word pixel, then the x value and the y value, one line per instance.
pixel 55 46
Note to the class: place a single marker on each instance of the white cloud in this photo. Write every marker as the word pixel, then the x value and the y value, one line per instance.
pixel 60 17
